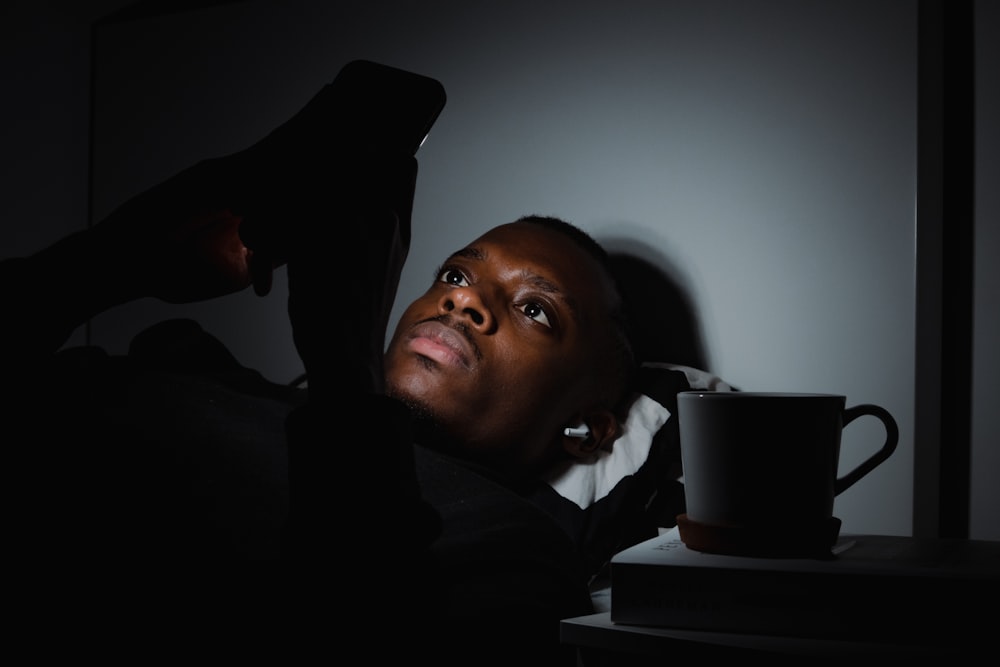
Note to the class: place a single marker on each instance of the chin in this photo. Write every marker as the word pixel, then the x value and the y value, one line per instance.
pixel 416 402
pixel 432 427
pixel 428 428
pixel 415 385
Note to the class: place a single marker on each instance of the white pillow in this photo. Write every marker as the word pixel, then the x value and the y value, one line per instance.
pixel 586 481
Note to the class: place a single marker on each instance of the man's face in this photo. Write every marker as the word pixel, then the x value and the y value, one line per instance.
pixel 500 350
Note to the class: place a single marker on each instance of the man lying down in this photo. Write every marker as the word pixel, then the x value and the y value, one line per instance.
pixel 413 482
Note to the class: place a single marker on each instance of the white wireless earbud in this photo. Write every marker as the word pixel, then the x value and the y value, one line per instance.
pixel 580 431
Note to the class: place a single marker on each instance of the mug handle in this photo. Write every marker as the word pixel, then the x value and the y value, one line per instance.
pixel 869 464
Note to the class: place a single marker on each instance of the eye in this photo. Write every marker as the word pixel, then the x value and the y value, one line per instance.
pixel 536 312
pixel 454 277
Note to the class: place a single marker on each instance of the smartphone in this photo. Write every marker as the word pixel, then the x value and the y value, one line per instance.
pixel 385 107
pixel 368 109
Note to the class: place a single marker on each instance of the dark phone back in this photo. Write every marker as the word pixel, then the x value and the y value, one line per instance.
pixel 386 107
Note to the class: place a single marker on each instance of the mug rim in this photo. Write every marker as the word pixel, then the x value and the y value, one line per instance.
pixel 698 393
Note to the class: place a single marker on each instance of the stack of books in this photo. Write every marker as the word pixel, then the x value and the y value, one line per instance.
pixel 873 588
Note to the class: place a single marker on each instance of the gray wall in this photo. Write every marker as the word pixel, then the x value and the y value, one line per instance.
pixel 762 154
pixel 984 514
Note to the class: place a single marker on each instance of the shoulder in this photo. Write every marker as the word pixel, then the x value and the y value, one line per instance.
pixel 496 542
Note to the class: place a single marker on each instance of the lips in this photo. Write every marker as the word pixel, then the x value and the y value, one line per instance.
pixel 441 343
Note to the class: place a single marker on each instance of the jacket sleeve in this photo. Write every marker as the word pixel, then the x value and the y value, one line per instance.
pixel 47 295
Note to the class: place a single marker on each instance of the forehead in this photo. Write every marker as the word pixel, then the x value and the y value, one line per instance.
pixel 526 249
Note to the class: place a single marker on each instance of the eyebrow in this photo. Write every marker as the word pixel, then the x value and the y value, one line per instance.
pixel 537 281
pixel 470 252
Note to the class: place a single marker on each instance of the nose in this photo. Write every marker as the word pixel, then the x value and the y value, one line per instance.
pixel 466 303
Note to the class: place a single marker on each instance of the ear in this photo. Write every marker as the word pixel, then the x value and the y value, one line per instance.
pixel 603 426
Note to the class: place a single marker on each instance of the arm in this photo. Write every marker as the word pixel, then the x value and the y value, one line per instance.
pixel 472 569
pixel 342 275
pixel 178 241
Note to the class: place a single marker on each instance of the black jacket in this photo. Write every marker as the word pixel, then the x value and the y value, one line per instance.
pixel 160 480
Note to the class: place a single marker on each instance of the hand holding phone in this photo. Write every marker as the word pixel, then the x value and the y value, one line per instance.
pixel 366 127
pixel 322 160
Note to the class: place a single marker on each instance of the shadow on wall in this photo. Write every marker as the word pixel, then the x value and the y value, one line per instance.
pixel 665 328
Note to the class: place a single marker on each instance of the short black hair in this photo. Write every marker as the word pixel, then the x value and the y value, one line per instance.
pixel 624 354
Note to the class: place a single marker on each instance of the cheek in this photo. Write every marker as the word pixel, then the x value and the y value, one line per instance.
pixel 536 384
pixel 538 366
